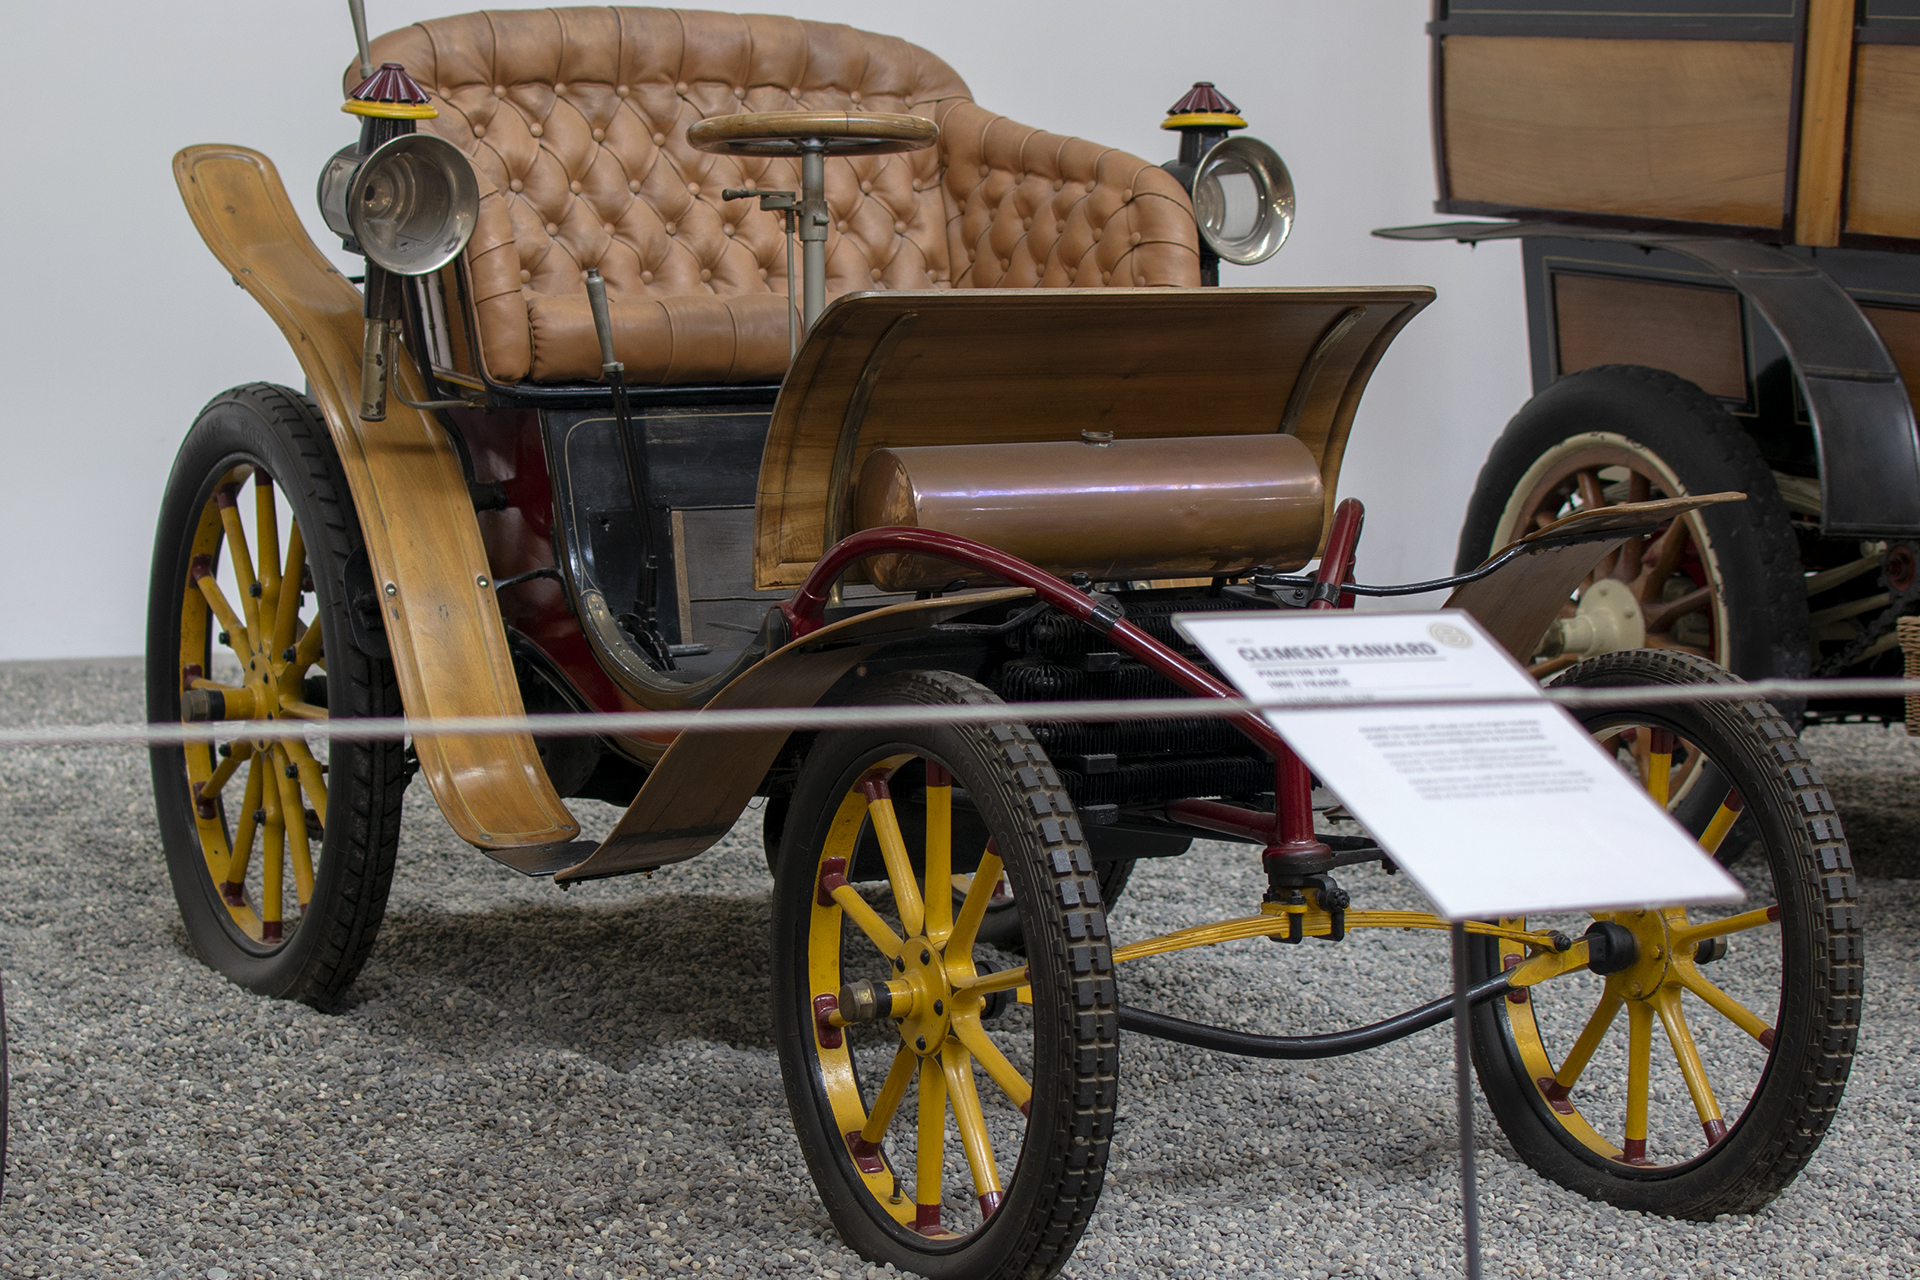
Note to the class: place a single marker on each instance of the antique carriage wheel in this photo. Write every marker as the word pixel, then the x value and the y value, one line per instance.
pixel 1724 583
pixel 1000 926
pixel 280 852
pixel 883 1051
pixel 1715 1087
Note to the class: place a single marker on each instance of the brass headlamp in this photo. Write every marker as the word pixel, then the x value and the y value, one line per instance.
pixel 407 201
pixel 1242 192
pixel 410 206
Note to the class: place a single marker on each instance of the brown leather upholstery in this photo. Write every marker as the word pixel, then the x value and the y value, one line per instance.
pixel 576 120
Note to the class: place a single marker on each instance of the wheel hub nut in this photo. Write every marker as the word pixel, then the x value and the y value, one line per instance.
pixel 1610 947
pixel 864 1001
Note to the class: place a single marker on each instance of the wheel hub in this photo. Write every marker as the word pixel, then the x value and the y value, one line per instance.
pixel 263 682
pixel 1607 620
pixel 1652 966
pixel 924 969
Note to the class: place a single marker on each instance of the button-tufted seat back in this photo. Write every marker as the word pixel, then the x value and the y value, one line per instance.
pixel 576 120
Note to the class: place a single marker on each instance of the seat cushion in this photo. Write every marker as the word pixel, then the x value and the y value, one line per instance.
pixel 576 120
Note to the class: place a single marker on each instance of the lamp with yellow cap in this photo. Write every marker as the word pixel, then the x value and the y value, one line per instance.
pixel 404 200
pixel 1242 193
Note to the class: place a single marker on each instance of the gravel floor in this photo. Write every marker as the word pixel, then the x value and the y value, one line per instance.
pixel 532 1085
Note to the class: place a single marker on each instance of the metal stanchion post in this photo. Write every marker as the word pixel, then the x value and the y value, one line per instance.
pixel 1463 1097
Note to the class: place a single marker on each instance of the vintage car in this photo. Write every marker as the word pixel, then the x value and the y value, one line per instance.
pixel 576 444
pixel 1720 213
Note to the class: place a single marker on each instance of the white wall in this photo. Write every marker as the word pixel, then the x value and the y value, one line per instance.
pixel 119 325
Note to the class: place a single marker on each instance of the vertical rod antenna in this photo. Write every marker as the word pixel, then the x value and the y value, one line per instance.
pixel 1463 1091
pixel 638 490
pixel 357 9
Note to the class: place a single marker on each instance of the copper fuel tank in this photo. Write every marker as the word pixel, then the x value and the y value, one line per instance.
pixel 1198 506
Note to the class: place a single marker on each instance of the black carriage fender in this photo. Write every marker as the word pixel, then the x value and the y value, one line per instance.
pixel 1863 422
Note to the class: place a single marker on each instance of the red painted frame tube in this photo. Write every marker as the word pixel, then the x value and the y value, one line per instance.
pixel 1292 781
pixel 1336 563
pixel 1288 832
pixel 806 612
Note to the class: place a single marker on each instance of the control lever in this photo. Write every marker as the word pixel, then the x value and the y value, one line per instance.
pixel 787 205
pixel 647 630
pixel 382 307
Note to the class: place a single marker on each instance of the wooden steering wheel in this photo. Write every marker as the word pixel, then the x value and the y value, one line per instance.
pixel 789 133
pixel 812 136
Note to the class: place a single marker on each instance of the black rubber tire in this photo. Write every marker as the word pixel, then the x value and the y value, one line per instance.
pixel 1804 854
pixel 281 431
pixel 1052 1192
pixel 1702 445
pixel 1001 928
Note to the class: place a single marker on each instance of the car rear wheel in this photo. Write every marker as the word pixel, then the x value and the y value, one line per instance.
pixel 1723 583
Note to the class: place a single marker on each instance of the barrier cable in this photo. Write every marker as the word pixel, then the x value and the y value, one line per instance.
pixel 852 716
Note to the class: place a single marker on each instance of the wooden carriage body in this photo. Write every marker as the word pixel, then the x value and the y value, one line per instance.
pixel 1722 191
pixel 1784 122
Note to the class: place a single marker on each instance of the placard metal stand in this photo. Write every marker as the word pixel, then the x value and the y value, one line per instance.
pixel 1463 1101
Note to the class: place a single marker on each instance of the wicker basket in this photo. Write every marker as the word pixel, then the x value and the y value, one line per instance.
pixel 1909 631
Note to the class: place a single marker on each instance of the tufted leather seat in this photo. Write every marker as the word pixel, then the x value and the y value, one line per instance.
pixel 576 120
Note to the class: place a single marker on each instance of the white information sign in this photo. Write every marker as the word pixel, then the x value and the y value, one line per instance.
pixel 1493 809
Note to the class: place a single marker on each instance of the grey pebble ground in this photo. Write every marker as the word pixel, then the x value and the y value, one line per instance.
pixel 535 1084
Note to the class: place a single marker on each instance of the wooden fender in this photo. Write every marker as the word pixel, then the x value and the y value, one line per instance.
pixel 443 624
pixel 702 784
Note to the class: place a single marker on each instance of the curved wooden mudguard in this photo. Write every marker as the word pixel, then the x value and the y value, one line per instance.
pixel 443 624
pixel 702 784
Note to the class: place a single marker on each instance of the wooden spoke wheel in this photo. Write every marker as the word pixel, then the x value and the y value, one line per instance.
pixel 280 850
pixel 1694 1068
pixel 888 1057
pixel 1000 926
pixel 1723 583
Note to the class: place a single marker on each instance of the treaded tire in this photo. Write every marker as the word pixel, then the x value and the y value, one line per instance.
pixel 1803 853
pixel 1061 1163
pixel 1701 443
pixel 1001 928
pixel 281 431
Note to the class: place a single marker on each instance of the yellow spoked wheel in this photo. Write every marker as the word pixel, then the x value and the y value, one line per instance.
pixel 280 851
pixel 1693 1067
pixel 950 1133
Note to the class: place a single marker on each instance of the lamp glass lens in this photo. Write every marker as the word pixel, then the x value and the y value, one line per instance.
pixel 1227 199
pixel 413 203
pixel 403 208
pixel 1243 201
